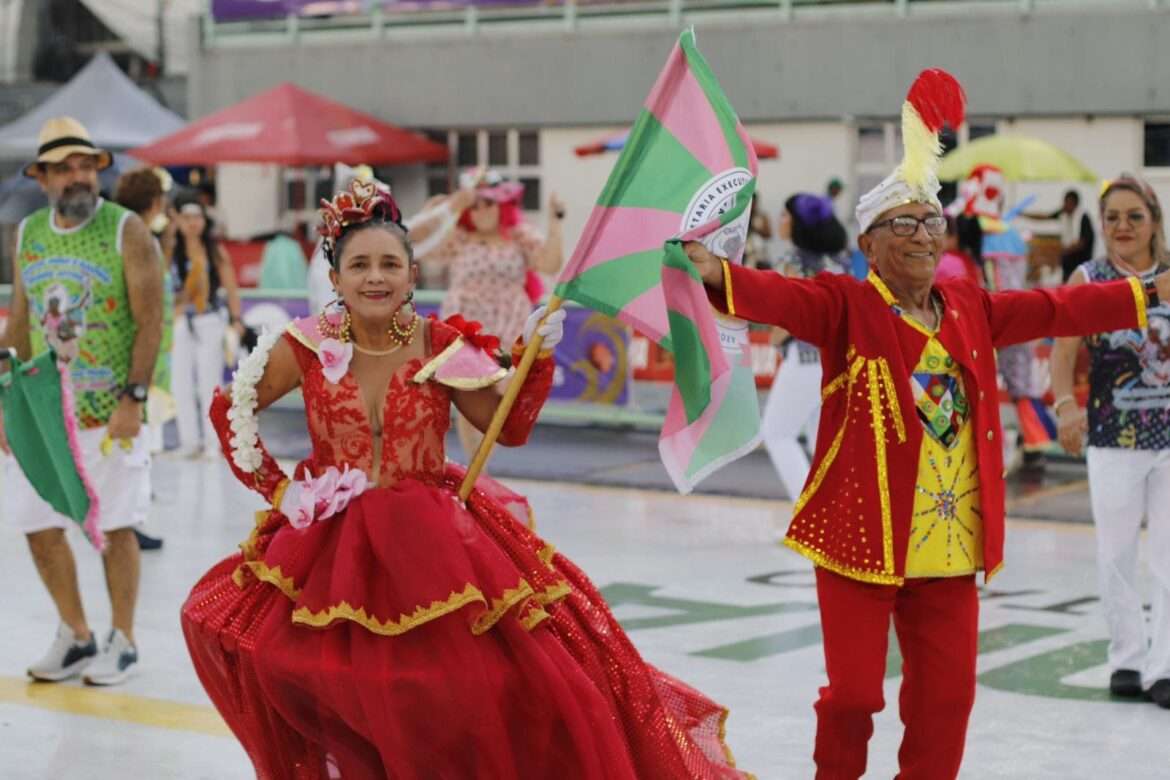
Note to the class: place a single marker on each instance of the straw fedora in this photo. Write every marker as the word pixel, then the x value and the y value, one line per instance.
pixel 61 137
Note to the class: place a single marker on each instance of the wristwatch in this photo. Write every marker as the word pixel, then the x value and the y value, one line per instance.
pixel 137 393
pixel 1151 290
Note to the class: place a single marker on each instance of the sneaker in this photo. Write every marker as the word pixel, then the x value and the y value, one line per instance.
pixel 118 660
pixel 66 657
pixel 1126 683
pixel 1159 693
pixel 146 542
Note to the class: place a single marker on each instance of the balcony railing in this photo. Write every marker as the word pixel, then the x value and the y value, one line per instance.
pixel 235 19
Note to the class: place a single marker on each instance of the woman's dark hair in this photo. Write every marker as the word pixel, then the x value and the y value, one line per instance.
pixel 381 219
pixel 969 234
pixel 814 226
pixel 179 257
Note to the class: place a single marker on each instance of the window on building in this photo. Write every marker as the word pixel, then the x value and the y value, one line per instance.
pixel 1157 144
pixel 439 174
pixel 514 152
pixel 497 148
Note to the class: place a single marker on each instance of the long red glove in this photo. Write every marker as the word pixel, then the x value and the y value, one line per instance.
pixel 537 385
pixel 268 480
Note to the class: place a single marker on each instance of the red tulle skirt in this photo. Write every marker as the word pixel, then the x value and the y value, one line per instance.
pixel 414 637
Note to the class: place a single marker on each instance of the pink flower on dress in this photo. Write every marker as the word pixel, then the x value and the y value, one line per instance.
pixel 335 357
pixel 347 486
pixel 318 498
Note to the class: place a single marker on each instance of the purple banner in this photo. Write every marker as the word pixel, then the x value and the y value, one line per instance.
pixel 242 10
pixel 593 361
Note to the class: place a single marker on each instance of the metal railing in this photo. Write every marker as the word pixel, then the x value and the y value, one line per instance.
pixel 472 17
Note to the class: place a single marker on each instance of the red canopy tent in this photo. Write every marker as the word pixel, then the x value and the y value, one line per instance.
pixel 291 126
pixel 613 143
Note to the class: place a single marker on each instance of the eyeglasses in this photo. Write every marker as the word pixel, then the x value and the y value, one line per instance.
pixel 906 226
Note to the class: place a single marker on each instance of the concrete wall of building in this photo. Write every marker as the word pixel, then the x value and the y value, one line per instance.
pixel 1098 60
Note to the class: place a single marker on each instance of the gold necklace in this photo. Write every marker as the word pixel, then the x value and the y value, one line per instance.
pixel 377 352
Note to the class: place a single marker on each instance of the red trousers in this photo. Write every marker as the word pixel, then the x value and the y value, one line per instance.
pixel 936 621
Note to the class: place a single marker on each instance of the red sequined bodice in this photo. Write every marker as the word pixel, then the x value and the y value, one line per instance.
pixel 416 415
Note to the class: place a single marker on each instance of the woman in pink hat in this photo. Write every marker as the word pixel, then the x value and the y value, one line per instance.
pixel 491 251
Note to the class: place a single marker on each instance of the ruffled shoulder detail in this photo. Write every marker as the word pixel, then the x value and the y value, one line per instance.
pixel 467 361
pixel 306 331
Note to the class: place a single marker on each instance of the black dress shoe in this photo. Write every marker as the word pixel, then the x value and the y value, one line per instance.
pixel 147 542
pixel 1159 693
pixel 1126 683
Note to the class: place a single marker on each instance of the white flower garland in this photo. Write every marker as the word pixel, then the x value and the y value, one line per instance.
pixel 242 416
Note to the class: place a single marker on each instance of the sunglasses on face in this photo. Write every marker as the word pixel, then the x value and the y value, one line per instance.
pixel 906 226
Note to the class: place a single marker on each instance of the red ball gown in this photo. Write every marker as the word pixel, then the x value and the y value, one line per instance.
pixel 413 636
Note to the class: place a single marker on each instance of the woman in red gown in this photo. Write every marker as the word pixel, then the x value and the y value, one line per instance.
pixel 374 626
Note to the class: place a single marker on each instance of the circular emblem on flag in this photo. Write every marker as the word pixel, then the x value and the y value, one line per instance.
pixel 712 200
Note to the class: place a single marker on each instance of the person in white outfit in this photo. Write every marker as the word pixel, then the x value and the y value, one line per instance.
pixel 818 242
pixel 204 282
pixel 1128 427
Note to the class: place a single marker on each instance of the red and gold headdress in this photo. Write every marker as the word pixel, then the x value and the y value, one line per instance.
pixel 935 99
pixel 358 203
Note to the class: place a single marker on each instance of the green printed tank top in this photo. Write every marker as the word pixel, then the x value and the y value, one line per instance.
pixel 73 280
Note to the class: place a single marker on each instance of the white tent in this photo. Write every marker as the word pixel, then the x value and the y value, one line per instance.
pixel 117 114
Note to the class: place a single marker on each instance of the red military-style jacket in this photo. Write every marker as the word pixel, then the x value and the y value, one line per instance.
pixel 853 516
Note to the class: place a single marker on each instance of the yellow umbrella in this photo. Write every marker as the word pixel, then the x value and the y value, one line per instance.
pixel 1019 157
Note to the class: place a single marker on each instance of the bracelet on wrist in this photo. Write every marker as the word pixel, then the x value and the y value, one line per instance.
pixel 1065 399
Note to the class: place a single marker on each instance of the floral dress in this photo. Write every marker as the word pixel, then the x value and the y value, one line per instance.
pixel 410 635
pixel 487 278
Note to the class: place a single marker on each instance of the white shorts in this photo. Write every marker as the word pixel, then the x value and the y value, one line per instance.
pixel 121 480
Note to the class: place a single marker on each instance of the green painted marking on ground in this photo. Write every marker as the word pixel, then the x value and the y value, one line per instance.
pixel 1042 675
pixel 764 646
pixel 990 641
pixel 687 611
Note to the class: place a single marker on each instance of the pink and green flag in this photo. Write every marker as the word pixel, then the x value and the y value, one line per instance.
pixel 687 173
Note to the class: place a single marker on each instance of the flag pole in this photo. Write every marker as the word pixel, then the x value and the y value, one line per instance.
pixel 505 406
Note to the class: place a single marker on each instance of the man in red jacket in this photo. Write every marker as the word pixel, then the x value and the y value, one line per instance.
pixel 905 500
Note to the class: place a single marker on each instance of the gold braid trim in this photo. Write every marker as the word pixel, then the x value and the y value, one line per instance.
pixel 278 494
pixel 248 546
pixel 727 289
pixel 892 399
pixel 838 382
pixel 831 454
pixel 883 471
pixel 345 611
pixel 238 577
pixel 1139 299
pixel 553 593
pixel 301 338
pixel 820 559
pixel 435 363
pixel 511 597
pixel 534 618
pixel 546 554
pixel 274 576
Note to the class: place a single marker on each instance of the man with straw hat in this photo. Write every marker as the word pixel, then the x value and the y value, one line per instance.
pixel 88 285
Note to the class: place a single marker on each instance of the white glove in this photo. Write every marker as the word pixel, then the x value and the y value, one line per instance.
pixel 552 330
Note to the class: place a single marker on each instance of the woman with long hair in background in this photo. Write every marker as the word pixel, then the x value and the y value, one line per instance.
pixel 205 285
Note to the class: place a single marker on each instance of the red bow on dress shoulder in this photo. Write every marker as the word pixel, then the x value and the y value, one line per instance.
pixel 472 332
